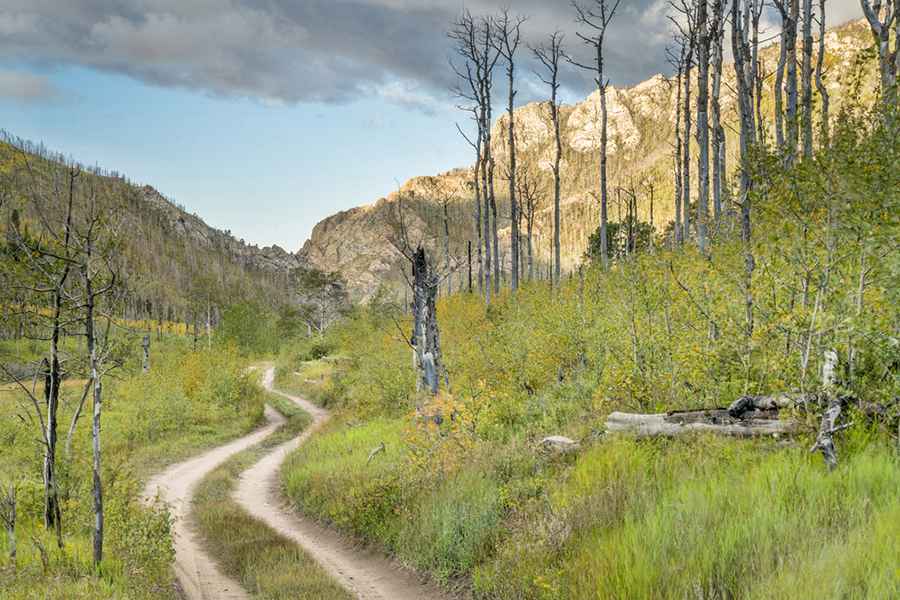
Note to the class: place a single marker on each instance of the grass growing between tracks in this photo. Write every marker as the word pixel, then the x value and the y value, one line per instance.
pixel 268 565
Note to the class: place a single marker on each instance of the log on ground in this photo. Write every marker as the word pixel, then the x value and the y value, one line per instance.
pixel 753 423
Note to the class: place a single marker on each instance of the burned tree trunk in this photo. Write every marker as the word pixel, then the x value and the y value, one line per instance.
pixel 426 334
pixel 677 170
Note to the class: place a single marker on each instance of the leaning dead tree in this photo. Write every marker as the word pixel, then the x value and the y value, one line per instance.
pixel 596 17
pixel 745 73
pixel 549 55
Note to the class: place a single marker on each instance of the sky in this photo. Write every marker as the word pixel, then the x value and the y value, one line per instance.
pixel 265 116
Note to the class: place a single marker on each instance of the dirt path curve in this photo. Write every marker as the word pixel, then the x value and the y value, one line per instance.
pixel 198 575
pixel 368 575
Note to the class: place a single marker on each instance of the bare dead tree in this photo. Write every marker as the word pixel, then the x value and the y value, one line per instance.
pixel 778 96
pixel 97 240
pixel 472 37
pixel 744 77
pixel 880 17
pixel 703 51
pixel 806 82
pixel 49 261
pixel 686 23
pixel 596 17
pixel 791 17
pixel 678 61
pixel 506 39
pixel 825 132
pixel 756 11
pixel 549 55
pixel 717 35
pixel 528 189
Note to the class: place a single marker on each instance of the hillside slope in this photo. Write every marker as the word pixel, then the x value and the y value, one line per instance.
pixel 174 263
pixel 355 243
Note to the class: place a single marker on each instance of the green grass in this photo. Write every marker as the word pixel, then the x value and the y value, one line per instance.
pixel 266 564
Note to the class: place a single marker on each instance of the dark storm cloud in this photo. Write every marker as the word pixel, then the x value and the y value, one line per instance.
pixel 304 50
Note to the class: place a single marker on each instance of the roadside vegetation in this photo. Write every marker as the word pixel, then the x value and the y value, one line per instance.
pixel 188 401
pixel 464 491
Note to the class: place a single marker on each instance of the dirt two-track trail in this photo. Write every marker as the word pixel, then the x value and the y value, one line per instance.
pixel 367 574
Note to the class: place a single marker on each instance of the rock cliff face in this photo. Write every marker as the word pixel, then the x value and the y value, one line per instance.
pixel 269 259
pixel 356 243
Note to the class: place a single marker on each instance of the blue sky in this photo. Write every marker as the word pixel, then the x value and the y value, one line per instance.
pixel 268 171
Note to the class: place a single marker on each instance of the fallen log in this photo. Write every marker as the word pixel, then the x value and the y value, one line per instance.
pixel 752 423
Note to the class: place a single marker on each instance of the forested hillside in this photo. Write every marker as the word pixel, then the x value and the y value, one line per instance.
pixel 641 131
pixel 172 265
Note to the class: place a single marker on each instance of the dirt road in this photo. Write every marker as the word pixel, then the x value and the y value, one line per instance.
pixel 198 575
pixel 368 575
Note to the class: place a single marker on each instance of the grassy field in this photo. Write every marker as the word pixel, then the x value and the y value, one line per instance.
pixel 266 564
pixel 189 401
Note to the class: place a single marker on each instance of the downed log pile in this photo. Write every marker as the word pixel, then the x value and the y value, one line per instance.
pixel 756 416
pixel 750 423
